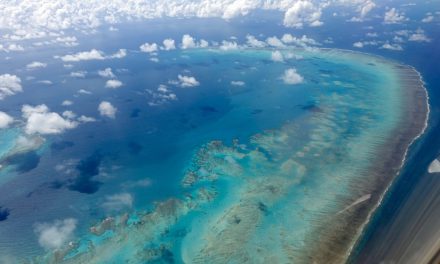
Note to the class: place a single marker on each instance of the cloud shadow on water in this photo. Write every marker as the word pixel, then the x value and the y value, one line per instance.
pixel 87 169
pixel 24 162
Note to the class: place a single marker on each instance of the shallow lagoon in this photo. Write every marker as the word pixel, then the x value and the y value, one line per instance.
pixel 244 167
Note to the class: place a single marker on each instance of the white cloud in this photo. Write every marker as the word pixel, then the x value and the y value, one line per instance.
pixel 86 119
pixel 188 42
pixel 366 8
pixel 393 16
pixel 149 48
pixel 228 45
pixel 28 110
pixel 162 96
pixel 113 84
pixel 11 47
pixel 82 91
pixel 106 73
pixel 303 41
pixel 9 85
pixel 35 19
pixel 187 81
pixel 169 44
pixel 78 74
pixel 36 64
pixel 372 35
pixel 253 42
pixel 5 120
pixel 275 42
pixel 67 103
pixel 67 41
pixel 118 201
pixel 15 47
pixel 93 54
pixel 69 114
pixel 419 36
pixel 54 235
pixel 121 53
pixel 107 109
pixel 203 43
pixel 238 83
pixel 428 19
pixel 395 47
pixel 358 44
pixel 302 11
pixel 48 82
pixel 40 121
pixel 363 7
pixel 291 76
pixel 277 56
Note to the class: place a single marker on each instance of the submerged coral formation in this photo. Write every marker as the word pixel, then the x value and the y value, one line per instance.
pixel 295 194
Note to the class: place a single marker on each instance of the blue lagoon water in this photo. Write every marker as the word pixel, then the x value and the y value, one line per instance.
pixel 240 168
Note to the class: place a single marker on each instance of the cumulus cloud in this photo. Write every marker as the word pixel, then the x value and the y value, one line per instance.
pixel 161 95
pixel 113 84
pixel 303 41
pixel 36 64
pixel 35 19
pixel 148 48
pixel 54 235
pixel 187 81
pixel 9 85
pixel 107 109
pixel 393 16
pixel 275 42
pixel 203 43
pixel 118 201
pixel 366 8
pixel 228 45
pixel 395 47
pixel 429 18
pixel 86 119
pixel 121 53
pixel 363 8
pixel 419 36
pixel 188 42
pixel 78 74
pixel 253 42
pixel 291 76
pixel 358 44
pixel 303 11
pixel 82 91
pixel 169 44
pixel 277 56
pixel 11 47
pixel 15 47
pixel 106 73
pixel 5 120
pixel 93 54
pixel 40 121
pixel 67 103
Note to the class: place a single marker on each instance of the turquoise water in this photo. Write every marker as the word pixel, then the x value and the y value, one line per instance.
pixel 238 173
